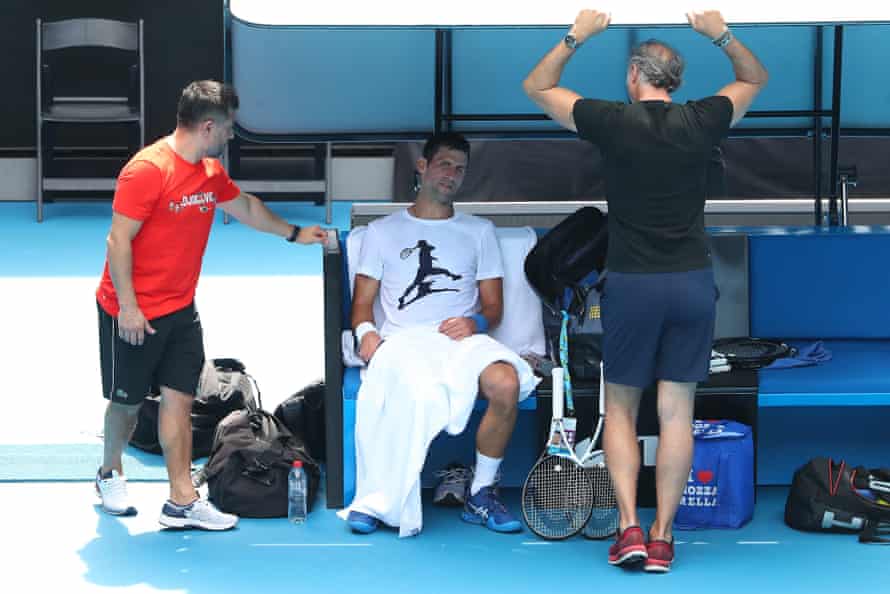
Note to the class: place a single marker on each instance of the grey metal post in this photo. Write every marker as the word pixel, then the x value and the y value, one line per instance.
pixel 328 182
pixel 39 125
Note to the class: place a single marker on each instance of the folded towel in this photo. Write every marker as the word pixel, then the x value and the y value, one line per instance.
pixel 806 356
pixel 351 358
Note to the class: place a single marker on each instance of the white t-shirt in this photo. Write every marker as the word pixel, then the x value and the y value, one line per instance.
pixel 429 269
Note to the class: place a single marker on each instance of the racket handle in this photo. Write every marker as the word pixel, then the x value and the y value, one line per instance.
pixel 602 395
pixel 558 378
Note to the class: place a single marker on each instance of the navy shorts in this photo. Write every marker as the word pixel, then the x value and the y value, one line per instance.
pixel 173 356
pixel 658 326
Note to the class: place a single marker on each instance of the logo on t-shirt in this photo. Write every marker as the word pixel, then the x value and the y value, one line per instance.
pixel 422 285
pixel 203 200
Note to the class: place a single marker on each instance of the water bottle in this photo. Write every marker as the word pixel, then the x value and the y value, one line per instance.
pixel 297 493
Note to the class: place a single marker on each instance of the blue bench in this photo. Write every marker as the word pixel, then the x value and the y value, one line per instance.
pixel 799 285
pixel 831 285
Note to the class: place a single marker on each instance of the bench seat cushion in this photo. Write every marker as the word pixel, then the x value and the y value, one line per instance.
pixel 857 375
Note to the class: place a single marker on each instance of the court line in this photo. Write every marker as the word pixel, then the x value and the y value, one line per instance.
pixel 307 544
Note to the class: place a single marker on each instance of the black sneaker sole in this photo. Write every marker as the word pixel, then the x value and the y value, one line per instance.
pixel 449 500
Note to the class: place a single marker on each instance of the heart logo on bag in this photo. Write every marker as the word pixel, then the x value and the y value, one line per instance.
pixel 704 476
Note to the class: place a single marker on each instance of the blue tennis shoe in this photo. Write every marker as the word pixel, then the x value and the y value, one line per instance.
pixel 362 523
pixel 486 508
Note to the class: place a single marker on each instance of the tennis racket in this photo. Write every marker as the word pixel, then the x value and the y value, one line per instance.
pixel 570 491
pixel 752 353
pixel 603 521
pixel 406 252
pixel 557 497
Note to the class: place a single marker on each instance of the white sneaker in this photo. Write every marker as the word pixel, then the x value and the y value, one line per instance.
pixel 198 514
pixel 113 493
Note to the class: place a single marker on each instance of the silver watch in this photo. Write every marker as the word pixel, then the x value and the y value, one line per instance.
pixel 571 42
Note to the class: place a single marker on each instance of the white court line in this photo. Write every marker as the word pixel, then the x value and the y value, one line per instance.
pixel 699 542
pixel 757 542
pixel 533 543
pixel 307 544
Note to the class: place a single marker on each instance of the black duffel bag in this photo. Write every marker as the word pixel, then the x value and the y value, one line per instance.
pixel 829 496
pixel 564 268
pixel 247 471
pixel 303 415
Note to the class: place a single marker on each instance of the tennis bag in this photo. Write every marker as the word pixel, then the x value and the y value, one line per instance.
pixel 303 415
pixel 224 386
pixel 829 496
pixel 584 328
pixel 563 268
pixel 720 490
pixel 247 470
pixel 567 253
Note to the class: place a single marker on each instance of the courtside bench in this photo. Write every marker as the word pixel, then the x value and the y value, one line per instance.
pixel 794 284
pixel 833 285
pixel 522 329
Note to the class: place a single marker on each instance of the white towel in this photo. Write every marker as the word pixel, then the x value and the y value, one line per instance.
pixel 351 358
pixel 419 382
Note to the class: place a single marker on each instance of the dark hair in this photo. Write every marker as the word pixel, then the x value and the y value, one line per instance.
pixel 448 140
pixel 660 65
pixel 203 99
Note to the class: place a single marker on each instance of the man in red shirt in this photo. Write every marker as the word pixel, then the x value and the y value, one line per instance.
pixel 149 330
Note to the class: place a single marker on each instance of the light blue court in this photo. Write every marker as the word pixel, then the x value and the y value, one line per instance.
pixel 261 300
pixel 68 545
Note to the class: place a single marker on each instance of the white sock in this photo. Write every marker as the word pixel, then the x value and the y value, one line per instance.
pixel 486 470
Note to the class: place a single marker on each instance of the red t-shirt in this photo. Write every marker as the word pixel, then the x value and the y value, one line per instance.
pixel 176 201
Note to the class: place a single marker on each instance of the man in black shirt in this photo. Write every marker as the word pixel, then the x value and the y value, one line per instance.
pixel 659 297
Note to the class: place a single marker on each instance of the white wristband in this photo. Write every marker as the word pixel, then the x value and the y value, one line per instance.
pixel 363 329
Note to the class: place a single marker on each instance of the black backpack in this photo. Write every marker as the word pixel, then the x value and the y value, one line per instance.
pixel 224 387
pixel 567 253
pixel 303 415
pixel 828 496
pixel 570 258
pixel 247 471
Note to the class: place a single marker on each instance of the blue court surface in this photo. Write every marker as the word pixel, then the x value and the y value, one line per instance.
pixel 260 300
pixel 59 541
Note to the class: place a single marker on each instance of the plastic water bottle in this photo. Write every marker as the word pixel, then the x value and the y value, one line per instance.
pixel 297 493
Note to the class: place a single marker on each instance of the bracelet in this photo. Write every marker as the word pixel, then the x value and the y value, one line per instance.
pixel 363 329
pixel 481 323
pixel 724 39
pixel 293 234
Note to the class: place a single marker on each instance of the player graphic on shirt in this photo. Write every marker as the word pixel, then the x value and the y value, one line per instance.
pixel 425 270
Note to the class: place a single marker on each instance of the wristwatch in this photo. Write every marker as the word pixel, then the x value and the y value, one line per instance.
pixel 571 42
pixel 723 39
pixel 293 234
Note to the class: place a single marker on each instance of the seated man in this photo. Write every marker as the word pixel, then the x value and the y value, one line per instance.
pixel 431 357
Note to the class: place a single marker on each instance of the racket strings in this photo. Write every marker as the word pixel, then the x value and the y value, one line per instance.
pixel 557 498
pixel 752 350
pixel 604 515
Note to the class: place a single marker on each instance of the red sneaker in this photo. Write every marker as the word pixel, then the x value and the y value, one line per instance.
pixel 660 556
pixel 629 547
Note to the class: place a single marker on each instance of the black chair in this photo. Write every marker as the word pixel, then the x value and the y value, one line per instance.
pixel 84 105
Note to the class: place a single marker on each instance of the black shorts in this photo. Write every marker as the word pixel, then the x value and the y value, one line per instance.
pixel 658 326
pixel 173 356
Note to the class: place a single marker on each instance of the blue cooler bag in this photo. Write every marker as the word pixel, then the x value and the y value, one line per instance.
pixel 720 490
